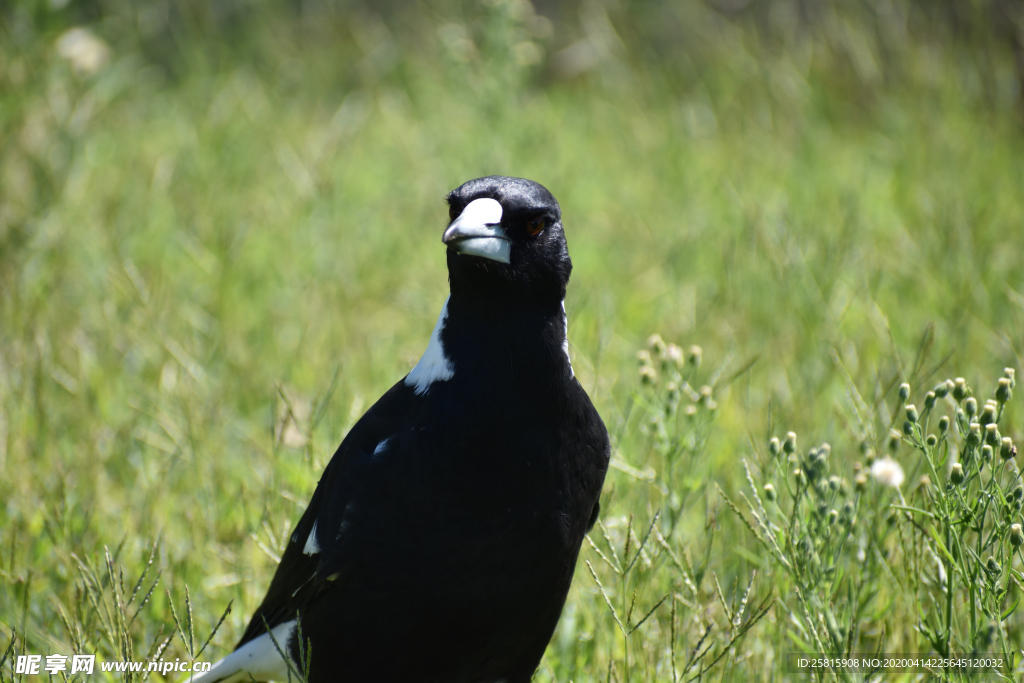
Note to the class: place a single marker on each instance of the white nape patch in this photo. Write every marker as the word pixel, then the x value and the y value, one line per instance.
pixel 258 658
pixel 381 446
pixel 565 339
pixel 311 547
pixel 434 366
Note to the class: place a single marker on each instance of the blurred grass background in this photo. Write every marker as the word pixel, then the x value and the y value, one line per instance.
pixel 219 243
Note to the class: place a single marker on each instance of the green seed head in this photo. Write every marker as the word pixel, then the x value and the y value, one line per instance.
pixel 992 437
pixel 672 391
pixel 693 356
pixel 1018 493
pixel 774 446
pixel 1007 450
pixel 971 407
pixel 833 517
pixel 986 453
pixel 789 445
pixel 643 357
pixel 908 427
pixel 860 482
pixel 941 390
pixel 944 424
pixel 798 474
pixel 960 389
pixel 769 492
pixel 848 510
pixel 904 391
pixel 673 357
pixel 1016 536
pixel 929 400
pixel 822 509
pixel 974 434
pixel 1003 390
pixel 912 415
pixel 869 456
pixel 992 566
pixel 894 441
pixel 656 344
pixel 988 413
pixel 812 458
pixel 931 440
pixel 834 482
pixel 1009 373
pixel 956 474
pixel 648 375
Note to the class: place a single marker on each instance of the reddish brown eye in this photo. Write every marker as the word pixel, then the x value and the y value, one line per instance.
pixel 453 213
pixel 535 226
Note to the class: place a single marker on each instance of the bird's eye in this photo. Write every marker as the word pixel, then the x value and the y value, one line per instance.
pixel 535 226
pixel 453 212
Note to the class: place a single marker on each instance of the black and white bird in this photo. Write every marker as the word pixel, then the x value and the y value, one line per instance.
pixel 441 541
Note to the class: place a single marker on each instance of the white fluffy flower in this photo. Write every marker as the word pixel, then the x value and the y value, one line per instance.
pixel 85 51
pixel 887 472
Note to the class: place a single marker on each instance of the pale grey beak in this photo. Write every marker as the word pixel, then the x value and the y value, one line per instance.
pixel 477 232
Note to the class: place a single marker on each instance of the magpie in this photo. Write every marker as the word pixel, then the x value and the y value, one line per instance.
pixel 441 540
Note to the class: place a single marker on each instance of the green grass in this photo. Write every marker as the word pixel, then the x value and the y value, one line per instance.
pixel 221 247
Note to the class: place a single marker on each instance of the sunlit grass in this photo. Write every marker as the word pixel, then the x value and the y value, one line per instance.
pixel 211 265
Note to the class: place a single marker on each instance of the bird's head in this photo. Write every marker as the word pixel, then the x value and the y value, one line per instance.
pixel 505 238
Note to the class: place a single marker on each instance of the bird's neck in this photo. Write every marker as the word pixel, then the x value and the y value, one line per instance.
pixel 527 335
pixel 521 343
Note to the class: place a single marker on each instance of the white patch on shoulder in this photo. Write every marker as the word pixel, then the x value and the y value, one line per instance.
pixel 434 366
pixel 311 547
pixel 565 339
pixel 258 659
pixel 381 446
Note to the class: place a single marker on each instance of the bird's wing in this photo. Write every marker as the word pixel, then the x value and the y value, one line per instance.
pixel 311 558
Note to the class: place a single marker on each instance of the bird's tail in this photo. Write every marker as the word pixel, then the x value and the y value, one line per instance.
pixel 259 660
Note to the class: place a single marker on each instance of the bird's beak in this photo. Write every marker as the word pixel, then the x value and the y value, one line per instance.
pixel 477 231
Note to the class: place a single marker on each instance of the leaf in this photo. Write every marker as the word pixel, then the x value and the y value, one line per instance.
pixel 1010 609
pixel 942 548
